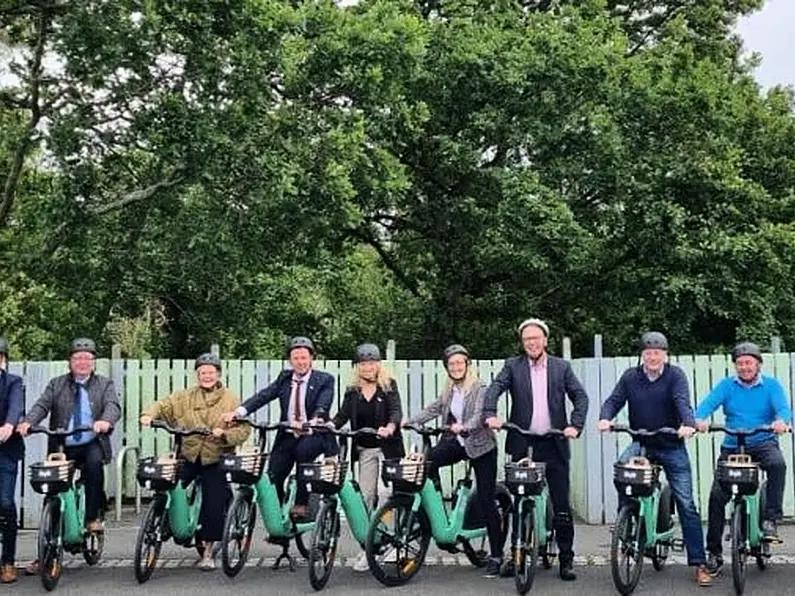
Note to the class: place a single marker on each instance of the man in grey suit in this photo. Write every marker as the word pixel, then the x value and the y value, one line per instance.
pixel 538 384
pixel 81 398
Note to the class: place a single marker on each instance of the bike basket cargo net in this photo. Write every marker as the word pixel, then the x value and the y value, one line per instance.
pixel 323 477
pixel 525 477
pixel 53 475
pixel 407 474
pixel 738 475
pixel 245 466
pixel 636 478
pixel 159 473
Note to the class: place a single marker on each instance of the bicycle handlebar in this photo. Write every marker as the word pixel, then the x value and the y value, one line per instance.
pixel 181 432
pixel 58 432
pixel 742 432
pixel 642 432
pixel 510 426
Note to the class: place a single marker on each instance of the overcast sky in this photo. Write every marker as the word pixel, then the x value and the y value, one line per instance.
pixel 770 32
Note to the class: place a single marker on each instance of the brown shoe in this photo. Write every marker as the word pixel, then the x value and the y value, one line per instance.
pixel 32 568
pixel 703 576
pixel 95 527
pixel 299 512
pixel 8 574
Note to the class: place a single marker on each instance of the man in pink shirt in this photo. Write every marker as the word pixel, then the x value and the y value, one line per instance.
pixel 538 384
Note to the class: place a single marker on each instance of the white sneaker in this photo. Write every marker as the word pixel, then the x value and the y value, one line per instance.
pixel 207 564
pixel 361 563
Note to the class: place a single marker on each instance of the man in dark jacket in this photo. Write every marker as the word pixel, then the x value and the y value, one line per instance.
pixel 538 384
pixel 658 396
pixel 305 395
pixel 12 404
pixel 81 398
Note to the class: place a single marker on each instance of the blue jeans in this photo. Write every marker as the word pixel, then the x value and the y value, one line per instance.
pixel 676 464
pixel 8 508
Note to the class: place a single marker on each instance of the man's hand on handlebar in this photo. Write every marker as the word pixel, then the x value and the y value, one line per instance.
pixel 603 425
pixel 685 432
pixel 23 428
pixel 494 422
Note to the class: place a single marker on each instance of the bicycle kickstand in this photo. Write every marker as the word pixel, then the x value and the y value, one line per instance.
pixel 285 555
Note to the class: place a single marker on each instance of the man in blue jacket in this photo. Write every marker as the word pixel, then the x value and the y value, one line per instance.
pixel 304 395
pixel 658 396
pixel 12 406
pixel 748 400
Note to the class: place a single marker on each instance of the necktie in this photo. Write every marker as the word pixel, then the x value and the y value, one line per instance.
pixel 297 400
pixel 76 417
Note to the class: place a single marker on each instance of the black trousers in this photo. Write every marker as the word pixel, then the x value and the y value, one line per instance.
pixel 216 497
pixel 449 451
pixel 558 481
pixel 288 451
pixel 88 459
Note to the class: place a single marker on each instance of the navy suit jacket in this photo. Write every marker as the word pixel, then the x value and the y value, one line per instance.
pixel 561 382
pixel 319 395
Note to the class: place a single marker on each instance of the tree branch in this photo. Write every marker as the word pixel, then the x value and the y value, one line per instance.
pixel 18 160
pixel 389 261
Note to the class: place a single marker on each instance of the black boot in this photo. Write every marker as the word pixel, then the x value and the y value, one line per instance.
pixel 567 572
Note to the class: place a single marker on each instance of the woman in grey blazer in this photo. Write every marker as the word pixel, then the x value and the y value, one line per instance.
pixel 461 406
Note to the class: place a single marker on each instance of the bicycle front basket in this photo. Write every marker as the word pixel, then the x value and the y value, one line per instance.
pixel 325 477
pixel 159 473
pixel 738 475
pixel 525 477
pixel 636 478
pixel 407 474
pixel 52 476
pixel 244 467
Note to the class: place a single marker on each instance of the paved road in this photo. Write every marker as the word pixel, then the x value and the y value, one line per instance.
pixel 438 580
pixel 444 574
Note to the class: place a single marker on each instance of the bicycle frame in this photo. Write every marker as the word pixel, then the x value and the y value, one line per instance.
pixel 445 528
pixel 275 515
pixel 539 505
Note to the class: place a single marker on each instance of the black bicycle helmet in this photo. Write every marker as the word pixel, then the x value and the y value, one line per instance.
pixel 454 349
pixel 367 353
pixel 746 348
pixel 83 344
pixel 652 340
pixel 208 358
pixel 300 342
pixel 4 346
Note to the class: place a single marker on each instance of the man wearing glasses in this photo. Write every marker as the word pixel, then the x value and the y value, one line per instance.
pixel 78 399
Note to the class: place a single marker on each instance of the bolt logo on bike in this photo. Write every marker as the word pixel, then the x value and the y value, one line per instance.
pixel 401 529
pixel 256 491
pixel 174 510
pixel 62 514
pixel 532 512
pixel 644 527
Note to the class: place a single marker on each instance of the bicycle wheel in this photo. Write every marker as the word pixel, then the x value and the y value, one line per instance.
pixel 94 544
pixel 50 545
pixel 397 542
pixel 150 539
pixel 739 554
pixel 549 551
pixel 626 550
pixel 664 522
pixel 527 553
pixel 323 550
pixel 238 529
pixel 764 547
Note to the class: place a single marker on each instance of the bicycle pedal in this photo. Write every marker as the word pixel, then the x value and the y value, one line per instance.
pixel 677 545
pixel 772 540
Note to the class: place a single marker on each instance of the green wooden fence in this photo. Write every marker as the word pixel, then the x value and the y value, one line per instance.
pixel 141 382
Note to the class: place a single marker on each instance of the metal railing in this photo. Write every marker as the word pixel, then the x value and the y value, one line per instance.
pixel 120 479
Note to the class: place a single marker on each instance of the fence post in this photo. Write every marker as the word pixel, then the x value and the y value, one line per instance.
pixel 597 345
pixel 775 344
pixel 567 348
pixel 215 349
pixel 390 350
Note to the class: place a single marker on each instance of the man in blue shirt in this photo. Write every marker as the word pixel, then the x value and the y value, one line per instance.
pixel 748 400
pixel 658 396
pixel 12 404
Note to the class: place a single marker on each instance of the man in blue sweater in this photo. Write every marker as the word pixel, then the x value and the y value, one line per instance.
pixel 12 405
pixel 749 399
pixel 658 396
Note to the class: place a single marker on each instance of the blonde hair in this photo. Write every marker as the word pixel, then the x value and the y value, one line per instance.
pixel 470 379
pixel 383 377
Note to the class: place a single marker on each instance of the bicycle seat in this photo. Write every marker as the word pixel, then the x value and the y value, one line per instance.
pixel 639 462
pixel 526 462
pixel 55 459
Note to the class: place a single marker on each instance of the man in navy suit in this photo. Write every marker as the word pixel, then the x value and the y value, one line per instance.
pixel 538 384
pixel 305 395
